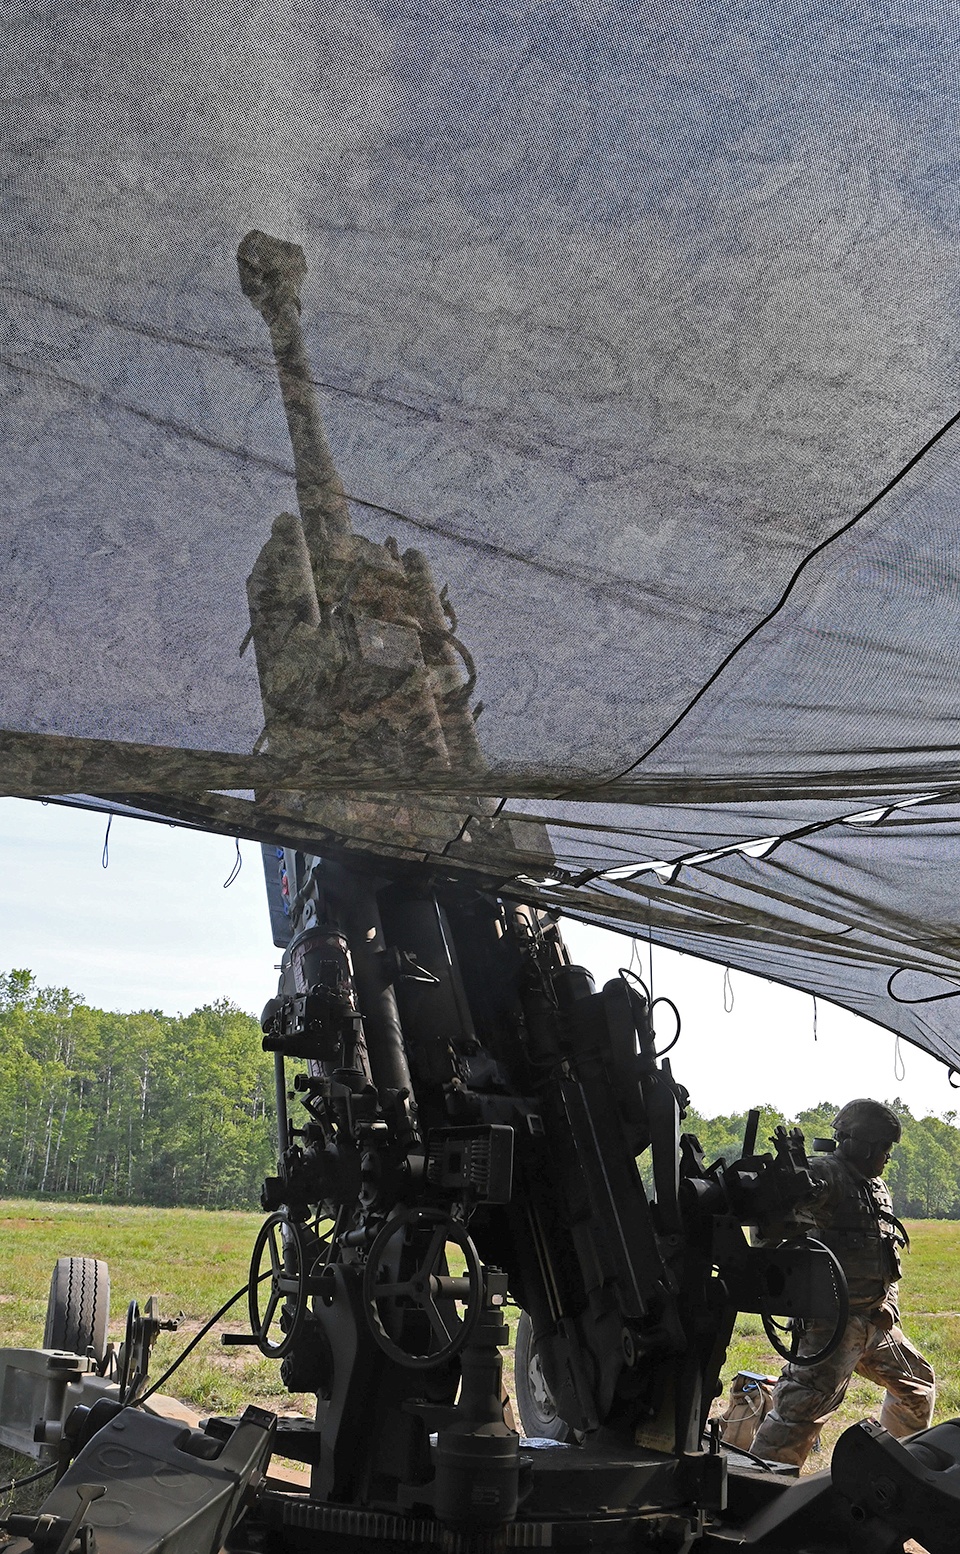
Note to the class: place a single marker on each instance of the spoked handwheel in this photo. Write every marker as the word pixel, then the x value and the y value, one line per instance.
pixel 393 1289
pixel 277 1294
pixel 139 1336
pixel 128 1376
pixel 786 1339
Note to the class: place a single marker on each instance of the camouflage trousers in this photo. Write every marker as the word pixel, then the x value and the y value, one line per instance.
pixel 806 1396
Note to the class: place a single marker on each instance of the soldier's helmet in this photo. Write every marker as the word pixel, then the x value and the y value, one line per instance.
pixel 868 1122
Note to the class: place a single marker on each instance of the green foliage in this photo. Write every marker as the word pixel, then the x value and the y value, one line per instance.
pixel 131 1108
pixel 923 1174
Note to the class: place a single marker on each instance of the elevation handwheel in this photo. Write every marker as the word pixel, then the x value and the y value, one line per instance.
pixel 392 1288
pixel 277 1294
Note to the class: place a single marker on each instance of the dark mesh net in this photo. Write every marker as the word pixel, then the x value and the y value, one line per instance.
pixel 582 535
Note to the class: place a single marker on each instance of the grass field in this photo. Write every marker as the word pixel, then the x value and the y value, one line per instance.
pixel 195 1260
pixel 192 1260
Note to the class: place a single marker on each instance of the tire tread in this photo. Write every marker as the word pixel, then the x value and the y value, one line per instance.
pixel 78 1308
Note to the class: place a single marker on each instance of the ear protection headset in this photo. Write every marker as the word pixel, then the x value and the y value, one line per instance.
pixel 852 1148
pixel 858 1148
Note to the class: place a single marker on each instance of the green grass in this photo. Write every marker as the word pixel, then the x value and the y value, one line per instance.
pixel 194 1260
pixel 191 1260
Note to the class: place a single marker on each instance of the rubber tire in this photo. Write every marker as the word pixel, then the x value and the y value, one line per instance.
pixel 534 1419
pixel 78 1309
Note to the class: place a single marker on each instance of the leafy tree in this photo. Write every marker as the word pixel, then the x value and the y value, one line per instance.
pixel 141 1108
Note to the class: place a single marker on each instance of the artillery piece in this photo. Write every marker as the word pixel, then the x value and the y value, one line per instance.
pixel 475 1125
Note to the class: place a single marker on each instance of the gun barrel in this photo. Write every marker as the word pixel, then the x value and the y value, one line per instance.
pixel 271 274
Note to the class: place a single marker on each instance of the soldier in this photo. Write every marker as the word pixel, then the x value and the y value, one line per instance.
pixel 853 1216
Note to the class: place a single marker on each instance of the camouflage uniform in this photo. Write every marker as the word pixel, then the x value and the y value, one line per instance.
pixel 854 1217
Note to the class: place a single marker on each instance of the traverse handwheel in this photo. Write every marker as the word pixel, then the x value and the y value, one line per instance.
pixel 406 1272
pixel 277 1294
pixel 778 1335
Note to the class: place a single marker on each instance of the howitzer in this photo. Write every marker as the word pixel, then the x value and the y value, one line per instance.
pixel 466 1122
pixel 475 1115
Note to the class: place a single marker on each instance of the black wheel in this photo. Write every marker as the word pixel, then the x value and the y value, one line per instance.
pixel 78 1309
pixel 537 1410
pixel 786 1339
pixel 391 1292
pixel 280 1257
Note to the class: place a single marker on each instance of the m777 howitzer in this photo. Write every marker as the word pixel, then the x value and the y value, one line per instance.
pixel 471 1111
pixel 470 1122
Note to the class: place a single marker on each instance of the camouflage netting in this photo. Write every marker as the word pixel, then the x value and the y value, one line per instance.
pixel 608 544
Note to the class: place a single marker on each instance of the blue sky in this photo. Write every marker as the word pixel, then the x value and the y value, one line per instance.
pixel 156 929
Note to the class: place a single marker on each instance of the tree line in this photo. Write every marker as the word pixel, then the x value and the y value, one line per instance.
pixel 148 1108
pixel 143 1108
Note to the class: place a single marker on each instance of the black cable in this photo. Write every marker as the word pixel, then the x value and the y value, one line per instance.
pixel 676 1035
pixel 238 865
pixel 741 1451
pixel 931 998
pixel 765 620
pixel 627 974
pixel 455 839
pixel 31 1478
pixel 197 1337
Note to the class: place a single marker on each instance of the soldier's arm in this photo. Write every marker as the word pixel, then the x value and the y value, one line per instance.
pixel 819 1211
